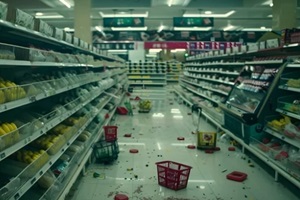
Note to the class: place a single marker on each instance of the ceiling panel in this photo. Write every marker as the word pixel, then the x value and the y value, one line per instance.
pixel 120 3
pixel 26 4
pixel 215 3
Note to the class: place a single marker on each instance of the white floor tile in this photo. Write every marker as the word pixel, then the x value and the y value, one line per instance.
pixel 155 136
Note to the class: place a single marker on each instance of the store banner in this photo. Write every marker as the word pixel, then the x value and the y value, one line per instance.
pixel 124 22
pixel 115 45
pixel 208 45
pixel 193 22
pixel 166 45
pixel 192 36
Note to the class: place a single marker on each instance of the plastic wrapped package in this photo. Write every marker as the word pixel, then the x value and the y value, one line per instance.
pixel 46 180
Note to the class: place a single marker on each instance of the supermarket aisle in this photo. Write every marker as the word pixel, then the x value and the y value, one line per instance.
pixel 155 136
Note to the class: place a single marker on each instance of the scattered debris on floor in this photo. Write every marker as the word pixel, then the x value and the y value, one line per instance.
pixel 231 148
pixel 138 190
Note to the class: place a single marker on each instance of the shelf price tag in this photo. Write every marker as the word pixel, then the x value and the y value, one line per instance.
pixel 32 98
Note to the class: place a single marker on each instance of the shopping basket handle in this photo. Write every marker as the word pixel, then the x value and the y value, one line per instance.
pixel 196 107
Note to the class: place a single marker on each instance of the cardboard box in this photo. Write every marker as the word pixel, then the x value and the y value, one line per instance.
pixel 272 43
pixel 20 18
pixel 76 41
pixel 68 37
pixel 29 54
pixel 244 48
pixel 236 49
pixel 58 33
pixel 262 45
pixel 253 47
pixel 228 50
pixel 90 47
pixel 43 27
pixel 3 10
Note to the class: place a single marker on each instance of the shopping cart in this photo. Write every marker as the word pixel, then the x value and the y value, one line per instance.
pixel 106 152
pixel 205 140
pixel 173 175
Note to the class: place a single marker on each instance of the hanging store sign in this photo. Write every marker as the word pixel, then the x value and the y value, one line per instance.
pixel 191 45
pixel 193 22
pixel 212 45
pixel 124 22
pixel 166 45
pixel 115 45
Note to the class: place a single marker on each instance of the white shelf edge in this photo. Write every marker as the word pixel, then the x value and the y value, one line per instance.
pixel 132 83
pixel 206 115
pixel 213 72
pixel 283 138
pixel 265 62
pixel 145 78
pixel 288 113
pixel 202 95
pixel 211 89
pixel 283 87
pixel 294 65
pixel 218 81
pixel 160 74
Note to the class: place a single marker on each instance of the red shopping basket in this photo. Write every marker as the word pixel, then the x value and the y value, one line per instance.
pixel 110 133
pixel 173 175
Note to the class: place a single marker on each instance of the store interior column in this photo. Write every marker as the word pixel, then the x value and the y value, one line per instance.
pixel 284 14
pixel 82 20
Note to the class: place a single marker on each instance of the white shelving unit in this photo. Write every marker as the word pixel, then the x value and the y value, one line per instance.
pixel 200 68
pixel 174 70
pixel 147 73
pixel 81 91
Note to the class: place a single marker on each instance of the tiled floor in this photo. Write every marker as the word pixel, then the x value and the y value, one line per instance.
pixel 155 136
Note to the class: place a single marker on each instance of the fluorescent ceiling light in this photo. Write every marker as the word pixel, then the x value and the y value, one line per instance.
pixel 39 14
pixel 160 28
pixel 129 28
pixel 229 27
pixel 192 28
pixel 68 29
pixel 174 51
pixel 271 4
pixel 257 29
pixel 270 15
pixel 208 12
pixel 67 4
pixel 117 51
pixel 209 15
pixel 154 50
pixel 151 55
pixel 124 14
pixel 49 16
pixel 170 3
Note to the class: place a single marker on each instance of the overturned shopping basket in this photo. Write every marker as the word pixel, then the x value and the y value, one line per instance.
pixel 106 152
